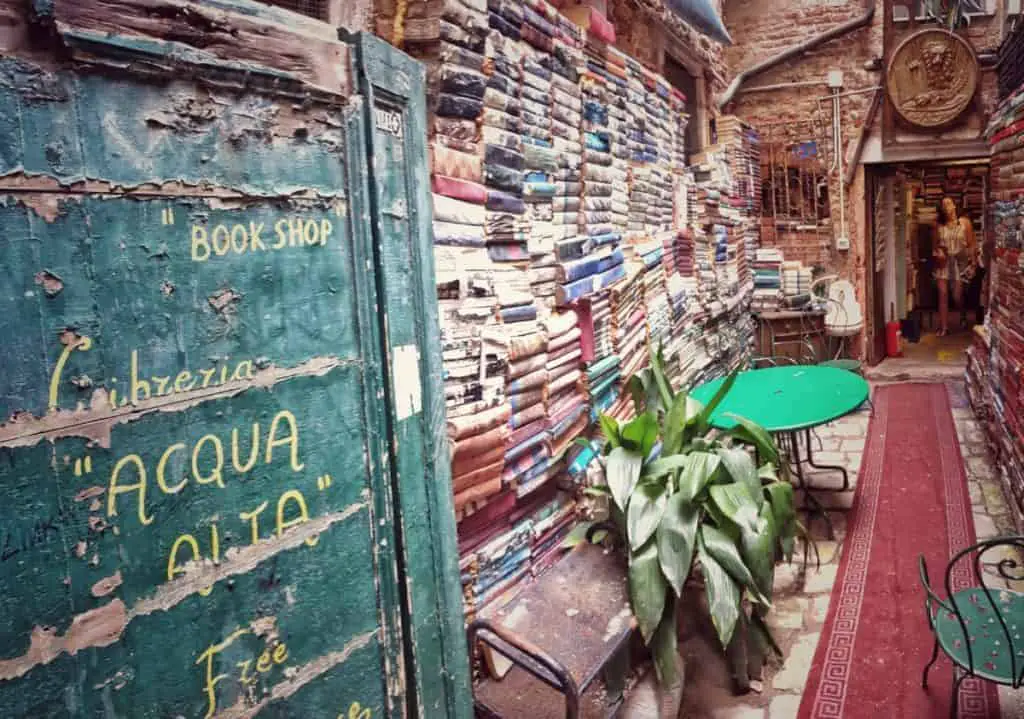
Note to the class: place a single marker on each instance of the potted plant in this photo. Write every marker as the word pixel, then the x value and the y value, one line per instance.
pixel 688 500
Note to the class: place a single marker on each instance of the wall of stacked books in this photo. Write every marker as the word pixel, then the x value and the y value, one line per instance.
pixel 995 374
pixel 570 238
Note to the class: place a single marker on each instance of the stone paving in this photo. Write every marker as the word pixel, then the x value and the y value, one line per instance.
pixel 802 596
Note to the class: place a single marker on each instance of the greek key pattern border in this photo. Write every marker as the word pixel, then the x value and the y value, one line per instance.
pixel 974 695
pixel 830 698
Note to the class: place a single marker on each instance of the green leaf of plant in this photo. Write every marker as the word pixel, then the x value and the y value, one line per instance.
pixel 727 554
pixel 709 409
pixel 646 507
pixel 753 433
pixel 780 497
pixel 758 624
pixel 637 387
pixel 622 473
pixel 722 591
pixel 698 472
pixel 694 408
pixel 723 523
pixel 740 466
pixel 676 539
pixel 666 465
pixel 758 550
pixel 641 434
pixel 664 647
pixel 582 442
pixel 691 427
pixel 767 473
pixel 736 503
pixel 679 415
pixel 646 589
pixel 703 444
pixel 610 429
pixel 665 391
pixel 577 535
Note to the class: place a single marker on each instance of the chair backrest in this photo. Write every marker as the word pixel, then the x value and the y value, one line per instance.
pixel 763 362
pixel 843 307
pixel 978 576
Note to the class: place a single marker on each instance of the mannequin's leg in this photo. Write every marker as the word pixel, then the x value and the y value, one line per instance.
pixel 958 298
pixel 943 306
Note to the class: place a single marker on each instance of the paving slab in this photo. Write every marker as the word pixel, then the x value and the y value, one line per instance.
pixel 784 706
pixel 794 673
pixel 821 581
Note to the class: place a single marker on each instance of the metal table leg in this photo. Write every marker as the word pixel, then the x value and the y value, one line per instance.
pixel 829 467
pixel 813 506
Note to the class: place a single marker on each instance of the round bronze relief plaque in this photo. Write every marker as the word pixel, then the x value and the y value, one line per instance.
pixel 932 77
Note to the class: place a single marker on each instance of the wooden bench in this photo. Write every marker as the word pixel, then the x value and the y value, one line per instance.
pixel 563 631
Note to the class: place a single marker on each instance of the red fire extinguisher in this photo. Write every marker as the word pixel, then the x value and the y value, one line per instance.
pixel 892 334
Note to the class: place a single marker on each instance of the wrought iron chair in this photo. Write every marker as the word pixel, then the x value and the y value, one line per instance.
pixel 980 623
pixel 762 362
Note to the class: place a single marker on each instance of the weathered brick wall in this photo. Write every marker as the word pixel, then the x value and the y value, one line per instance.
pixel 804 245
pixel 642 36
pixel 760 30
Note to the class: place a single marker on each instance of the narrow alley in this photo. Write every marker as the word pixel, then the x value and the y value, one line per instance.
pixel 619 359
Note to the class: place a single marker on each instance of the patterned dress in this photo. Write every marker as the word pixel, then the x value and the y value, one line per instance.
pixel 959 265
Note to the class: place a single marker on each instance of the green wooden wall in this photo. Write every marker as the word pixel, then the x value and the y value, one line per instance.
pixel 221 454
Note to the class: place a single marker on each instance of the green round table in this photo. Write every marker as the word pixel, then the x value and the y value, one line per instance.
pixel 787 398
pixel 850 365
pixel 789 401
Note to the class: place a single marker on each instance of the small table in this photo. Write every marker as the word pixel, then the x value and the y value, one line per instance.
pixel 804 329
pixel 789 400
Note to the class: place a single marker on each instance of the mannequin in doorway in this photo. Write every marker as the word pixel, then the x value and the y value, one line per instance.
pixel 955 259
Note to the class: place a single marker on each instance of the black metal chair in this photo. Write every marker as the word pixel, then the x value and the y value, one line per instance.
pixel 762 362
pixel 980 623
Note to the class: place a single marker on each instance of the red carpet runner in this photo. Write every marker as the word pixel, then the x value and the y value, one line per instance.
pixel 911 499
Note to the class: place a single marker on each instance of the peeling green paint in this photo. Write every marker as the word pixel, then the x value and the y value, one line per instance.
pixel 399 180
pixel 200 478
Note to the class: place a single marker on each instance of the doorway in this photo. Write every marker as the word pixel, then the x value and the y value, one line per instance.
pixel 906 260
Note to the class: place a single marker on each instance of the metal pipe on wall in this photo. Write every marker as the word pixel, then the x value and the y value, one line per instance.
pixel 856 23
pixel 781 86
pixel 838 121
pixel 851 93
pixel 876 101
